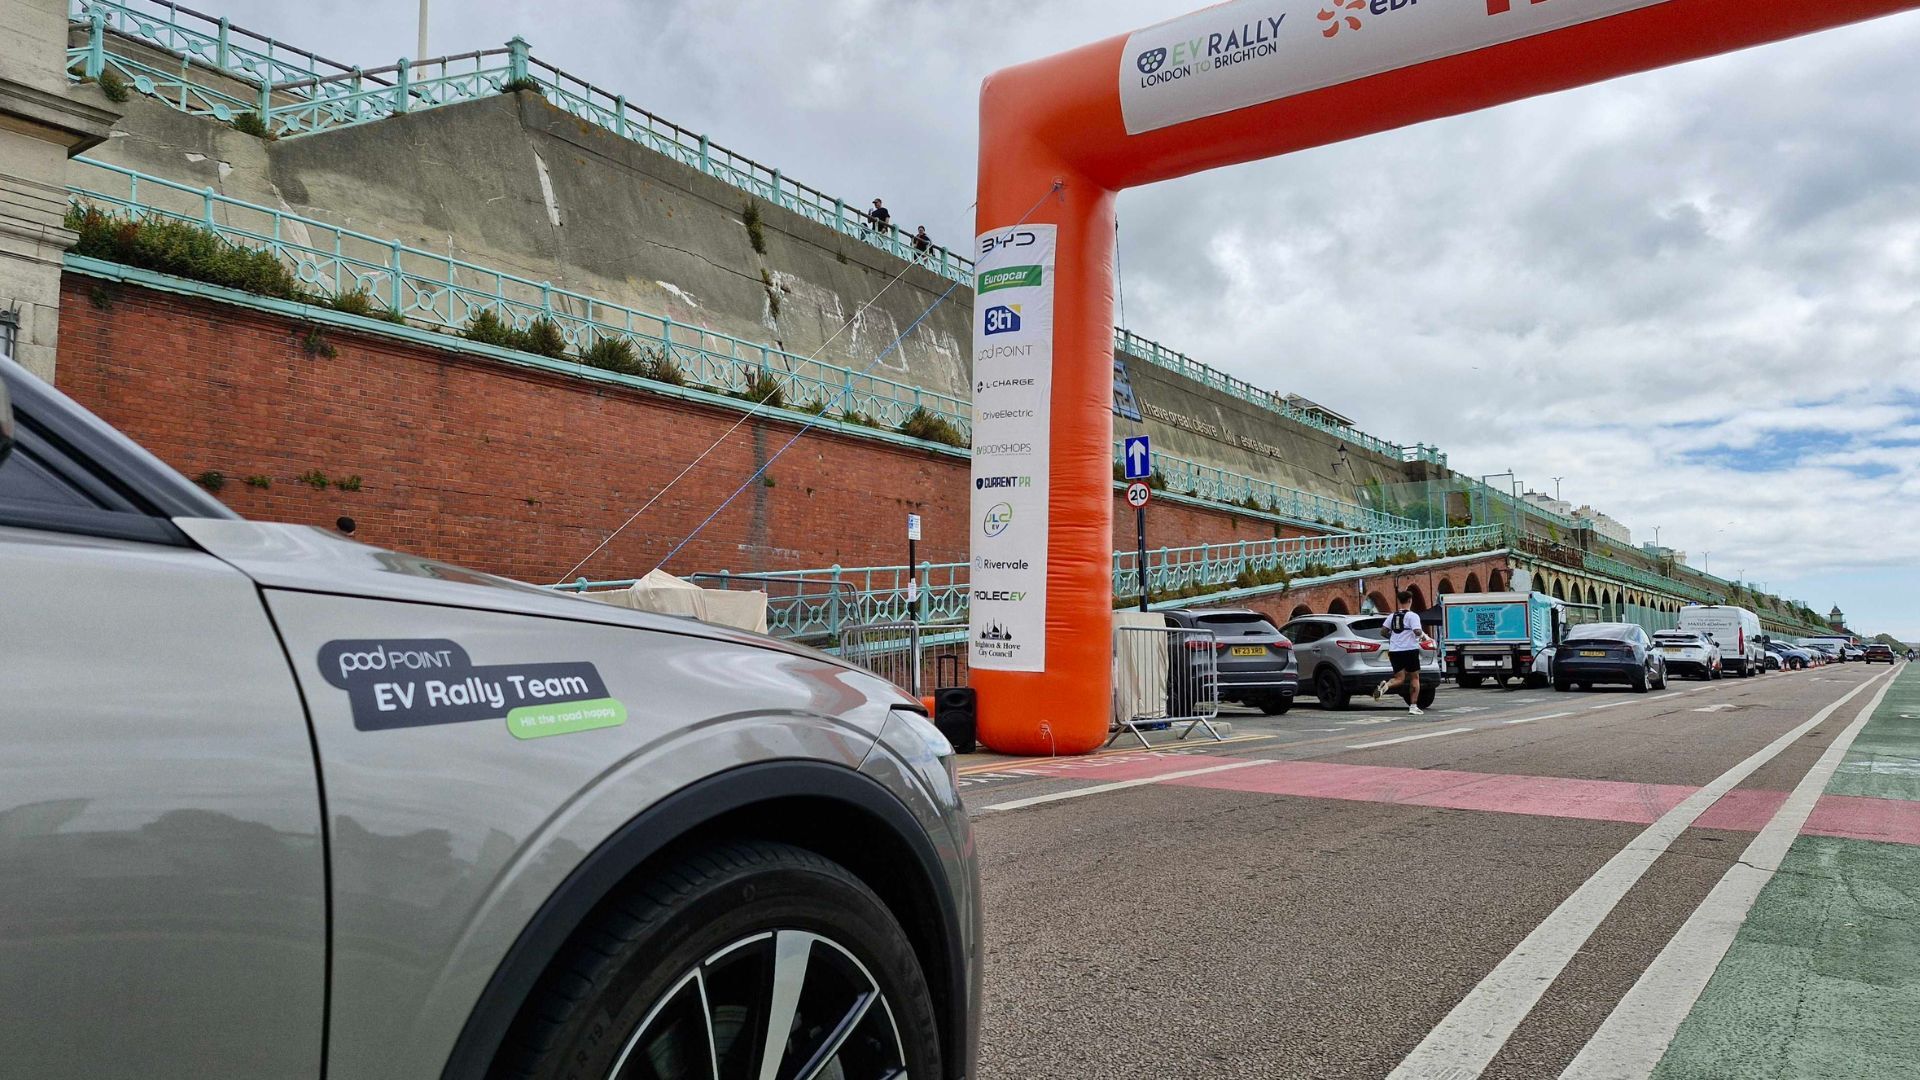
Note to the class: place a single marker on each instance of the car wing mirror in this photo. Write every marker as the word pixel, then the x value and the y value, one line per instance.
pixel 6 423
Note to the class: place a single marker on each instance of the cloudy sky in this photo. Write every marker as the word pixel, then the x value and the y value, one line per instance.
pixel 1693 295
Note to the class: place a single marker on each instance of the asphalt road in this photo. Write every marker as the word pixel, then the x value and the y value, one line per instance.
pixel 1342 895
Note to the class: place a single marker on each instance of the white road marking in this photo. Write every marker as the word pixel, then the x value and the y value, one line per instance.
pixel 1470 1036
pixel 1467 709
pixel 1409 738
pixel 1528 700
pixel 1369 720
pixel 1531 719
pixel 1117 785
pixel 1718 706
pixel 1610 705
pixel 1663 697
pixel 1637 1033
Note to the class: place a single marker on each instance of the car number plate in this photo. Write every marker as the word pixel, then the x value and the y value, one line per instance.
pixel 1486 663
pixel 1673 648
pixel 1593 652
pixel 1249 650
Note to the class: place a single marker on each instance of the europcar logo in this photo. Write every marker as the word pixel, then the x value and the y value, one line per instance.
pixel 1009 277
pixel 1003 319
pixel 1151 60
pixel 999 516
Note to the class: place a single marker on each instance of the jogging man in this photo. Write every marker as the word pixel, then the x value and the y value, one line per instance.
pixel 1404 639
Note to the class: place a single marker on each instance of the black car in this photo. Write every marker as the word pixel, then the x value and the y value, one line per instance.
pixel 1608 653
pixel 1254 660
pixel 1879 654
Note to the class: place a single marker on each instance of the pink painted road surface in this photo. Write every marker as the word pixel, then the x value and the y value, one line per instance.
pixel 1887 820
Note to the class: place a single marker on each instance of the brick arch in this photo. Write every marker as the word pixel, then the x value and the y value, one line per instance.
pixel 1338 606
pixel 1559 592
pixel 1444 588
pixel 1419 601
pixel 1473 582
pixel 1299 611
pixel 1380 601
pixel 1496 581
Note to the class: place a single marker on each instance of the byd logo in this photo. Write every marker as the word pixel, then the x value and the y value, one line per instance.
pixel 998 518
pixel 1017 239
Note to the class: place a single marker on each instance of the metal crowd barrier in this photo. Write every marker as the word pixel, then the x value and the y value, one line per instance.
pixel 1163 676
pixel 917 657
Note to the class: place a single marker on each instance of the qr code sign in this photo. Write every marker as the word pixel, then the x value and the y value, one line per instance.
pixel 1486 622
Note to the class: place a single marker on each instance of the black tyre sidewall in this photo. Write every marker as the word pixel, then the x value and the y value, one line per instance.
pixel 783 889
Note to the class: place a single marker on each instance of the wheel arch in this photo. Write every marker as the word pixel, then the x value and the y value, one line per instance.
pixel 828 809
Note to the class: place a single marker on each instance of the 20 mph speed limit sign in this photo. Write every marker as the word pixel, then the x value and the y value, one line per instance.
pixel 1137 495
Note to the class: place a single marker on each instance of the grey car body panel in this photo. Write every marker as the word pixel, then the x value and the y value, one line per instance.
pixel 1359 671
pixel 447 838
pixel 162 871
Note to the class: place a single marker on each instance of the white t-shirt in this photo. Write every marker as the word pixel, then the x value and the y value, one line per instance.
pixel 1407 639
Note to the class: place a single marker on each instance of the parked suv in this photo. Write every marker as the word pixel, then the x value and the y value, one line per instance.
pixel 1343 655
pixel 1254 661
pixel 1688 653
pixel 1878 654
pixel 1609 653
pixel 273 798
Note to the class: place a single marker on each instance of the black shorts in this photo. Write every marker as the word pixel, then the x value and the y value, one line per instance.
pixel 1407 660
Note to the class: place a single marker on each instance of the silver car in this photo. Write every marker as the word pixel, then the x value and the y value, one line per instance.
pixel 1343 655
pixel 277 804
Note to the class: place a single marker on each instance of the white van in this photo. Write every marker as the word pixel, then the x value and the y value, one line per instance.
pixel 1736 630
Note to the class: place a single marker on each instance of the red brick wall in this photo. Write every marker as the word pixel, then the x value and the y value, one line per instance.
pixel 512 471
pixel 1319 599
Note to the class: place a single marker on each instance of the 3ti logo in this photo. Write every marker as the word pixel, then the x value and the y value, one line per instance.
pixel 1003 319
pixel 999 516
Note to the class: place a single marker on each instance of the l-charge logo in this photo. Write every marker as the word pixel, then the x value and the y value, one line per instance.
pixel 998 518
pixel 1003 319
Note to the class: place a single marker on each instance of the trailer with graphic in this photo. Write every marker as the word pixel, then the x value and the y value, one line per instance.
pixel 1499 635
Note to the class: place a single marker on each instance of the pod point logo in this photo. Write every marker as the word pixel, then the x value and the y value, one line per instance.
pixel 999 517
pixel 1333 17
pixel 1151 60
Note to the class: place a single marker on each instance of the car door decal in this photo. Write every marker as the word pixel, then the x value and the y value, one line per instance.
pixel 417 682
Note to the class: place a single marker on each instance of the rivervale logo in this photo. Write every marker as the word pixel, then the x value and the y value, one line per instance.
pixel 1009 277
pixel 985 563
pixel 1003 319
pixel 1199 57
pixel 998 518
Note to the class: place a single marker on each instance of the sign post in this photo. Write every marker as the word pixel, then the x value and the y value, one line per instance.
pixel 913 569
pixel 1137 458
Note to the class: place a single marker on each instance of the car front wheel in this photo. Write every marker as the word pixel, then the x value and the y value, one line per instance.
pixel 1330 690
pixel 750 959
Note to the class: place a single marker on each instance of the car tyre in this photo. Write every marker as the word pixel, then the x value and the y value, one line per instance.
pixel 1275 704
pixel 1641 681
pixel 1470 682
pixel 1662 684
pixel 1562 685
pixel 1330 690
pixel 1428 691
pixel 693 951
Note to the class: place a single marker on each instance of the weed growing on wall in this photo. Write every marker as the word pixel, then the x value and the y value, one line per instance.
pixel 756 230
pixel 921 424
pixel 252 123
pixel 180 248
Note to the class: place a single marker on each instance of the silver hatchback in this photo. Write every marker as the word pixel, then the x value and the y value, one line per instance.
pixel 274 803
pixel 1343 655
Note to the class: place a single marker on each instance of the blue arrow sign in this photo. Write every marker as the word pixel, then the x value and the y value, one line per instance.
pixel 1138 458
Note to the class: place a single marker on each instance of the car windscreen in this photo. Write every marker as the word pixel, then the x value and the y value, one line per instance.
pixel 1235 624
pixel 1679 639
pixel 1598 632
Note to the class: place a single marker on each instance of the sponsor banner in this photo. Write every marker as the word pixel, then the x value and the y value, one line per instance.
pixel 1013 388
pixel 1250 52
pixel 420 682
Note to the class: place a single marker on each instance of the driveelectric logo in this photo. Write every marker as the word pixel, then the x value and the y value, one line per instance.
pixel 999 516
pixel 1003 319
pixel 1200 57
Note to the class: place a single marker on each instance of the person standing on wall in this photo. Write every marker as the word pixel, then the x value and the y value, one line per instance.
pixel 880 219
pixel 1404 642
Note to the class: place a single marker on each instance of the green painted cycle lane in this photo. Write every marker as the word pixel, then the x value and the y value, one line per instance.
pixel 1823 981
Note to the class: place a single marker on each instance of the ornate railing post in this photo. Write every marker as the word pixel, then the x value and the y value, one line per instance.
pixel 403 85
pixel 393 280
pixel 206 206
pixel 706 155
pixel 517 52
pixel 620 115
pixel 96 43
pixel 220 51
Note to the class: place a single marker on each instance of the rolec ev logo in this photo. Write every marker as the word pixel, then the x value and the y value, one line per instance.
pixel 999 517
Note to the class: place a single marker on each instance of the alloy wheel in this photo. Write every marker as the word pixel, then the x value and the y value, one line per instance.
pixel 779 1005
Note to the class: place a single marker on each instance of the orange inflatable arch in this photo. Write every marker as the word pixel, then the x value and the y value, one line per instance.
pixel 1231 83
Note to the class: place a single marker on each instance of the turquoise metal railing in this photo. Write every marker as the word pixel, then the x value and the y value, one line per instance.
pixel 1187 477
pixel 1155 353
pixel 823 601
pixel 299 93
pixel 441 291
